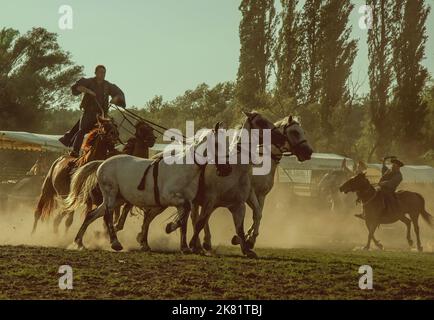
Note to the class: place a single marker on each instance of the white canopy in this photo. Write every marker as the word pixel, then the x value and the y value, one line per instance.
pixel 318 161
pixel 30 141
pixel 17 140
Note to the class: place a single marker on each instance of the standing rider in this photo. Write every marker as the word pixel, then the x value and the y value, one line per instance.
pixel 94 103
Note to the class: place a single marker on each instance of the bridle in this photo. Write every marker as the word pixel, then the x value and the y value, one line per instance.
pixel 274 129
pixel 295 146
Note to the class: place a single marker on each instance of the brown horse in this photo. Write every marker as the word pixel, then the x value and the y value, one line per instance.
pixel 98 145
pixel 411 203
pixel 138 146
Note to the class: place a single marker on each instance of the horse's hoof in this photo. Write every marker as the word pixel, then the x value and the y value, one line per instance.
pixel 251 254
pixel 186 250
pixel 250 243
pixel 170 227
pixel 410 243
pixel 366 248
pixel 116 245
pixel 235 240
pixel 198 250
pixel 145 248
pixel 207 246
pixel 76 246
pixel 420 249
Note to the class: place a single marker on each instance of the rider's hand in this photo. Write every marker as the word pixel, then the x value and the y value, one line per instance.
pixel 86 90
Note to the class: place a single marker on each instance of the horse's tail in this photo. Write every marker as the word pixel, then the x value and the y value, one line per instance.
pixel 425 215
pixel 47 200
pixel 83 181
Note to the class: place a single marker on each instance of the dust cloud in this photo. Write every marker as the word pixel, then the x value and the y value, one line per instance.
pixel 288 221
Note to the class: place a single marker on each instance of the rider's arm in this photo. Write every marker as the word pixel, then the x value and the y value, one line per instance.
pixel 117 95
pixel 393 182
pixel 82 86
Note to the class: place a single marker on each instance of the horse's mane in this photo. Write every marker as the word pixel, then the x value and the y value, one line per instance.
pixel 90 139
pixel 284 121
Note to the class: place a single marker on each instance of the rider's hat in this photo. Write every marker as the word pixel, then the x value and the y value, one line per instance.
pixel 396 161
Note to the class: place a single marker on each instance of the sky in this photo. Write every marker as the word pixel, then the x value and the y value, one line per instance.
pixel 159 47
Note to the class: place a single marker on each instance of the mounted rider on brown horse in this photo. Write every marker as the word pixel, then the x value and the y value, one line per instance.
pixel 389 182
pixel 99 145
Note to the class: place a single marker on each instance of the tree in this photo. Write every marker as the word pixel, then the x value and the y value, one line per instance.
pixel 410 109
pixel 337 52
pixel 35 75
pixel 288 54
pixel 380 37
pixel 310 20
pixel 256 31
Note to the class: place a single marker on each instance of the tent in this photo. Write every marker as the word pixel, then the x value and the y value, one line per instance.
pixel 410 173
pixel 30 141
pixel 17 140
pixel 291 170
pixel 318 161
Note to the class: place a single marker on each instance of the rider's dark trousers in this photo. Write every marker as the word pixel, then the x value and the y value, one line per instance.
pixel 87 123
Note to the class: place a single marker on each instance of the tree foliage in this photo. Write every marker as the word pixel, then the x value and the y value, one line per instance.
pixel 35 74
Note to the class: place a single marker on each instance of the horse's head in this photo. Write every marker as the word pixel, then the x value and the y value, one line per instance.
pixel 299 146
pixel 357 183
pixel 256 121
pixel 108 132
pixel 144 132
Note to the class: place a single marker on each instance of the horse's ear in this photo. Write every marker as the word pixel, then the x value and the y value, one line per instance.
pixel 217 126
pixel 290 119
pixel 248 114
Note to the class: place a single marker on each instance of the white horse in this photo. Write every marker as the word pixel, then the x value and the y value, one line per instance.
pixel 262 184
pixel 233 191
pixel 119 178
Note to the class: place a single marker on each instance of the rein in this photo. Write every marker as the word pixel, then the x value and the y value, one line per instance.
pixel 365 202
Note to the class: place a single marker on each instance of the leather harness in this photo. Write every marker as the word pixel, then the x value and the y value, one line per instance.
pixel 155 165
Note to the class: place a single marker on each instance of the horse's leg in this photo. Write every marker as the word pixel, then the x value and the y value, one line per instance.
pixel 186 208
pixel 377 243
pixel 90 217
pixel 414 218
pixel 149 215
pixel 121 221
pixel 371 230
pixel 407 223
pixel 207 237
pixel 117 214
pixel 38 214
pixel 58 220
pixel 195 217
pixel 258 206
pixel 69 221
pixel 108 219
pixel 205 213
pixel 238 213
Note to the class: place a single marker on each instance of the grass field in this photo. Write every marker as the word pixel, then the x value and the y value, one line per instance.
pixel 32 272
